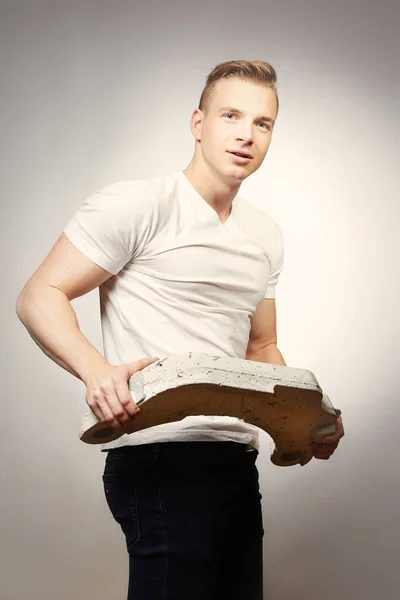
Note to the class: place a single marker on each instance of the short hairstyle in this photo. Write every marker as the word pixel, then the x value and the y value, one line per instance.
pixel 257 71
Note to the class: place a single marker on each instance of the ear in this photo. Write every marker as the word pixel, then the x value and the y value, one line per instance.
pixel 196 123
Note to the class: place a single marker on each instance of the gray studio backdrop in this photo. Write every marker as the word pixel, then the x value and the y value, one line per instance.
pixel 95 92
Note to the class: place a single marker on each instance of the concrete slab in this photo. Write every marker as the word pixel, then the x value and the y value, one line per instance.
pixel 285 402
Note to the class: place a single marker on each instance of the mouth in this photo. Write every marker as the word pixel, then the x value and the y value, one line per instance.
pixel 241 154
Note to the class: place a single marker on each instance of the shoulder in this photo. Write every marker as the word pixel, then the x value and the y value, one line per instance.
pixel 158 189
pixel 122 193
pixel 134 197
pixel 264 230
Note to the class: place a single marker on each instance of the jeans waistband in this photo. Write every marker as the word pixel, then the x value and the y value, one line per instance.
pixel 227 448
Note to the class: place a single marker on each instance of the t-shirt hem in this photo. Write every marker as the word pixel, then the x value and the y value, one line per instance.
pixel 183 436
pixel 86 249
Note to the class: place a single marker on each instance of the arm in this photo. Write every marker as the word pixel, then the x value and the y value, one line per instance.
pixel 44 308
pixel 262 345
pixel 262 348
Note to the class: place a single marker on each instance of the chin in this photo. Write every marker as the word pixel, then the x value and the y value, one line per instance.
pixel 239 174
pixel 233 175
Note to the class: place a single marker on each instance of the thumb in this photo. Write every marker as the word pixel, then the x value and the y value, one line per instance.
pixel 138 365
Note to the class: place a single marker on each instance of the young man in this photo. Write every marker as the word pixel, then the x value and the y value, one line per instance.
pixel 183 264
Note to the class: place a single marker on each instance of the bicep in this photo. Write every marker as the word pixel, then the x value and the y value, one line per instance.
pixel 263 326
pixel 69 270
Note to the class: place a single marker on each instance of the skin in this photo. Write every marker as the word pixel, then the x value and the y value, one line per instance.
pixel 44 303
pixel 327 447
pixel 217 177
pixel 213 172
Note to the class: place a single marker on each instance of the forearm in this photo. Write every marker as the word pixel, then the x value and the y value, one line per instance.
pixel 51 322
pixel 269 354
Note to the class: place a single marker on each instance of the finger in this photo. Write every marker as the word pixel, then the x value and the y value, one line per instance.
pixel 110 404
pixel 126 400
pixel 95 409
pixel 330 444
pixel 330 440
pixel 118 410
pixel 324 447
pixel 339 426
pixel 323 451
pixel 322 455
pixel 101 408
pixel 338 435
pixel 143 363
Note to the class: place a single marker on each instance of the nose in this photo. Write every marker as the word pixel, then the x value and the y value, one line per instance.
pixel 245 136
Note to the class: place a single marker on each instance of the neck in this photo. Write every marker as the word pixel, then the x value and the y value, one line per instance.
pixel 218 193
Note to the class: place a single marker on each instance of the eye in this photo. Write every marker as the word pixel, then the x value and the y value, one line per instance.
pixel 267 126
pixel 229 114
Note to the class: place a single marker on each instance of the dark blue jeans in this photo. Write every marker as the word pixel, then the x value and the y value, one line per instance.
pixel 192 520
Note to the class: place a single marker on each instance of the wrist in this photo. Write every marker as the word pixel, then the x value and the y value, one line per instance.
pixel 90 370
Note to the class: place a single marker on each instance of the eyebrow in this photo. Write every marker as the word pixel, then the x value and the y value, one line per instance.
pixel 236 110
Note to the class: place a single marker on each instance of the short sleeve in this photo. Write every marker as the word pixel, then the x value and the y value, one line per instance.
pixel 112 224
pixel 277 264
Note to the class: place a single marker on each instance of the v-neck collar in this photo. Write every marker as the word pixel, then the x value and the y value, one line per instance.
pixel 199 198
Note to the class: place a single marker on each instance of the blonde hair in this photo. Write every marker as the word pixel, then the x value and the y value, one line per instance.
pixel 257 71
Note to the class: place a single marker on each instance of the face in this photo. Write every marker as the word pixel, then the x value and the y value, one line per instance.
pixel 240 118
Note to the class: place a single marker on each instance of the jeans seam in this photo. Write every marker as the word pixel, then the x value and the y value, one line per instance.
pixel 135 517
pixel 166 538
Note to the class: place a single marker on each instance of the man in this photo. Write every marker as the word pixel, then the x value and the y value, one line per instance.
pixel 183 264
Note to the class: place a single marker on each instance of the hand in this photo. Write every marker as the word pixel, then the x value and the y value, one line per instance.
pixel 328 445
pixel 108 395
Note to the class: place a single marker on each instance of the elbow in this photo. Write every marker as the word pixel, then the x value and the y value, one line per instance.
pixel 20 305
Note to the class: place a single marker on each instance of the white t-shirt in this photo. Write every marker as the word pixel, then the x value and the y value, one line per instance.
pixel 183 282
